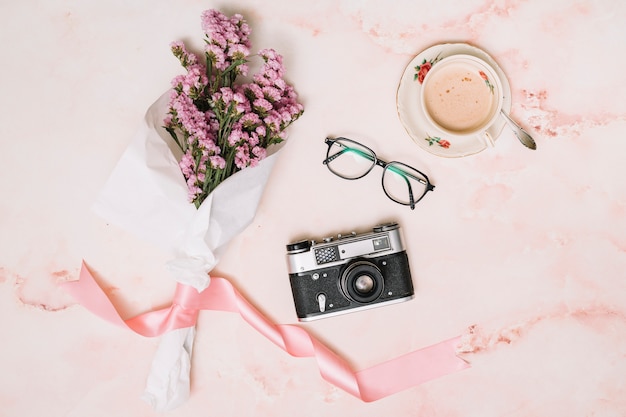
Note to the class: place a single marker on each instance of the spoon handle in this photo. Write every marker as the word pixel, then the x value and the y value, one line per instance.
pixel 521 134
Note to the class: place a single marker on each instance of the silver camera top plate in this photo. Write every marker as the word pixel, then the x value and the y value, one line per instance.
pixel 385 239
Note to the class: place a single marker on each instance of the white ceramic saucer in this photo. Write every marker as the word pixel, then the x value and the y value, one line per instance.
pixel 411 113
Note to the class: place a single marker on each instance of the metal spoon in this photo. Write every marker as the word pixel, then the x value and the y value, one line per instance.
pixel 521 134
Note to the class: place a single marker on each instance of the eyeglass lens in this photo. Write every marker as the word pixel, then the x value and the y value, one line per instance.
pixel 350 160
pixel 404 184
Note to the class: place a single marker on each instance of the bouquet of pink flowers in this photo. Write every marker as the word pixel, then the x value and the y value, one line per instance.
pixel 194 145
pixel 221 126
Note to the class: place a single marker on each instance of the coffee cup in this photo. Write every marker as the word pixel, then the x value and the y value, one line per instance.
pixel 462 96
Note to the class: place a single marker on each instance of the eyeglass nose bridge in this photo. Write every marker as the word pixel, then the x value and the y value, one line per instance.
pixel 382 164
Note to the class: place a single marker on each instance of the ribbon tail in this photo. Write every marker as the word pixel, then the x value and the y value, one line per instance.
pixel 150 324
pixel 411 370
pixel 370 384
pixel 88 293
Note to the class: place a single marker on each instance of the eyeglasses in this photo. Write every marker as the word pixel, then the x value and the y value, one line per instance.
pixel 351 160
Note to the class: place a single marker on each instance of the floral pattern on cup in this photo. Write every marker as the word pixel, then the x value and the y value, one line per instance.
pixel 422 69
pixel 437 140
pixel 484 77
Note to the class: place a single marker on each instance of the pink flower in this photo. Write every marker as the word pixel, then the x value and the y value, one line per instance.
pixel 253 139
pixel 272 58
pixel 242 158
pixel 235 137
pixel 217 162
pixel 249 120
pixel 185 57
pixel 239 97
pixel 187 165
pixel 242 69
pixel 213 22
pixel 238 51
pixel 226 95
pixel 262 105
pixel 255 90
pixel 280 84
pixel 189 117
pixel 261 130
pixel 192 83
pixel 217 56
pixel 259 152
pixel 272 121
pixel 271 93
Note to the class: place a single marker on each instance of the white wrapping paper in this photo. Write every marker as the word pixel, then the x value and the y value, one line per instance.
pixel 146 195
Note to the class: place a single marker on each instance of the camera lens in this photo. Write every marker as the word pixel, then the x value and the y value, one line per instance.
pixel 362 282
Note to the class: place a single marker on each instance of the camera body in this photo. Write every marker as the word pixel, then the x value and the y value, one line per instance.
pixel 349 273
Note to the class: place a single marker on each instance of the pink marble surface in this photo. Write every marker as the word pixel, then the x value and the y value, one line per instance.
pixel 522 252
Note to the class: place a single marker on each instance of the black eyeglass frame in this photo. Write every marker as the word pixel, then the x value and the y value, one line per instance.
pixel 383 164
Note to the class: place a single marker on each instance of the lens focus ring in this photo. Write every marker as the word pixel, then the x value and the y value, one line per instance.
pixel 362 282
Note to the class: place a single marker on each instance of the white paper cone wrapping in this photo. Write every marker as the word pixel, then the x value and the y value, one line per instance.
pixel 146 195
pixel 167 386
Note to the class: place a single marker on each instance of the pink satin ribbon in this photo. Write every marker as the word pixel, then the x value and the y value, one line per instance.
pixel 369 384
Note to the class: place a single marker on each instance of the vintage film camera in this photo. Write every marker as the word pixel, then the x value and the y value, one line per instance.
pixel 349 273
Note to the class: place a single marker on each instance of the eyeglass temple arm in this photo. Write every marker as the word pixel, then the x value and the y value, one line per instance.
pixel 408 184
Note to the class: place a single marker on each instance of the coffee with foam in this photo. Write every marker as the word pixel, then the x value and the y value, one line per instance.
pixel 461 96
